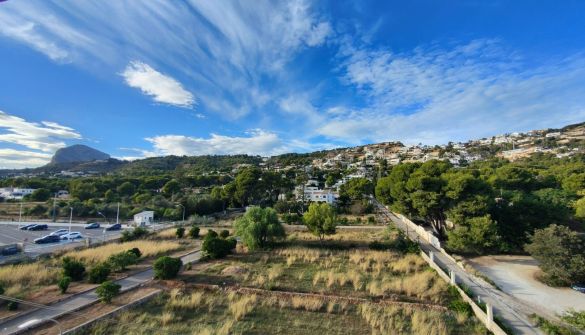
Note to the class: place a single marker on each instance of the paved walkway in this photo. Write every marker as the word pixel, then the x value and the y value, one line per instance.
pixel 513 312
pixel 81 300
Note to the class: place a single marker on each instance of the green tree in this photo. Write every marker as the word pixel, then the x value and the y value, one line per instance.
pixel 258 227
pixel 180 232
pixel 126 189
pixel 194 232
pixel 357 188
pixel 171 187
pixel 107 291
pixel 99 273
pixel 41 194
pixel 560 253
pixel 63 284
pixel 216 247
pixel 247 186
pixel 121 260
pixel 320 219
pixel 166 267
pixel 478 235
pixel 73 268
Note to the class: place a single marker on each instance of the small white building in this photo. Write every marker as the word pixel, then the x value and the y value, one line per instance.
pixel 15 193
pixel 144 218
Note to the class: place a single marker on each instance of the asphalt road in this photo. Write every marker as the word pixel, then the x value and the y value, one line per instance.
pixel 79 301
pixel 513 312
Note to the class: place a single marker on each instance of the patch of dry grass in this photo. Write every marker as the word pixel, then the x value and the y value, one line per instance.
pixel 101 253
pixel 402 320
pixel 26 275
pixel 311 304
pixel 242 306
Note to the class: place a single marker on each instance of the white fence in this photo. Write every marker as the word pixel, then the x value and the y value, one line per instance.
pixel 427 235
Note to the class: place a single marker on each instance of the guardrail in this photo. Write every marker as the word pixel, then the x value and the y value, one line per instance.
pixel 486 317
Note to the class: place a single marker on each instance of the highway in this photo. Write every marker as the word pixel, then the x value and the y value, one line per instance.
pixel 513 312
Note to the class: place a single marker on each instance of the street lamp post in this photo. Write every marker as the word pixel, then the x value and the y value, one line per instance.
pixel 70 218
pixel 20 214
pixel 182 222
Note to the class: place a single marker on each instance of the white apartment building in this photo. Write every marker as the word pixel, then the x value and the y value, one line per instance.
pixel 310 192
pixel 144 218
pixel 15 193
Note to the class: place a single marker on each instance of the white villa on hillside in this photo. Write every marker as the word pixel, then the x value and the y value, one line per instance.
pixel 310 192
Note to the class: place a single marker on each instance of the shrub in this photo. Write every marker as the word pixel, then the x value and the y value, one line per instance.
pixel 63 284
pixel 194 232
pixel 224 233
pixel 215 247
pixel 136 252
pixel 211 233
pixel 1 289
pixel 180 232
pixel 380 246
pixel 107 291
pixel 167 267
pixel 99 273
pixel 121 260
pixel 134 234
pixel 12 306
pixel 73 268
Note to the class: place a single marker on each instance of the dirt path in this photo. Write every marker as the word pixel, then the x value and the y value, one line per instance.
pixel 515 275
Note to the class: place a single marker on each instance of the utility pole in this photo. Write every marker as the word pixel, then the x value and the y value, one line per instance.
pixel 70 219
pixel 118 214
pixel 54 208
pixel 20 214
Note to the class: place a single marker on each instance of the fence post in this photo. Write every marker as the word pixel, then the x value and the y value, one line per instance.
pixel 453 278
pixel 432 257
pixel 490 315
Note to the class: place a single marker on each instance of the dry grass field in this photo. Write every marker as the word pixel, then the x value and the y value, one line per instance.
pixel 305 287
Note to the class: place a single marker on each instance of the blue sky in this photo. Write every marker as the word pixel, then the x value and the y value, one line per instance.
pixel 149 78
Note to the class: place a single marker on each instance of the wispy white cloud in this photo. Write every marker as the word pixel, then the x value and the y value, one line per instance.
pixel 160 87
pixel 434 95
pixel 257 142
pixel 44 136
pixel 41 140
pixel 18 159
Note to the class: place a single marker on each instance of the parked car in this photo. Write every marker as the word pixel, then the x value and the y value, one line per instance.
pixel 47 239
pixel 92 225
pixel 10 251
pixel 578 287
pixel 26 227
pixel 60 232
pixel 116 226
pixel 71 236
pixel 39 227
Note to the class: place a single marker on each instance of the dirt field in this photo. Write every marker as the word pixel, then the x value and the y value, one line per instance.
pixel 515 275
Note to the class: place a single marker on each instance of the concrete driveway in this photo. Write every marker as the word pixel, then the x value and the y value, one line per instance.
pixel 515 275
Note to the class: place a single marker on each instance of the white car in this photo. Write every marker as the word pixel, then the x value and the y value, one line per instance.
pixel 71 236
pixel 60 232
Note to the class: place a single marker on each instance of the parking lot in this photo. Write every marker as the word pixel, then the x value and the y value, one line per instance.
pixel 10 233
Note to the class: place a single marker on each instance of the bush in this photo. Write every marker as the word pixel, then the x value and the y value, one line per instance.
pixel 73 268
pixel 560 253
pixel 380 246
pixel 99 273
pixel 194 232
pixel 1 289
pixel 215 247
pixel 211 233
pixel 224 233
pixel 121 260
pixel 107 291
pixel 167 267
pixel 63 284
pixel 12 306
pixel 180 232
pixel 134 234
pixel 136 252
